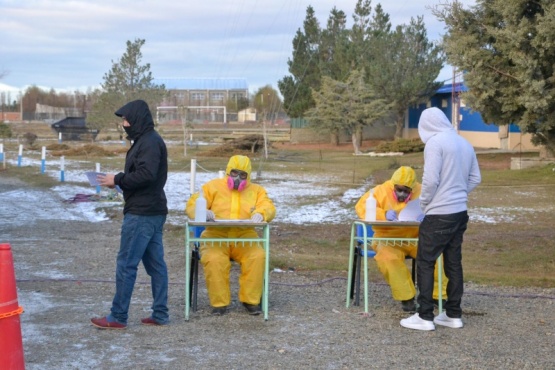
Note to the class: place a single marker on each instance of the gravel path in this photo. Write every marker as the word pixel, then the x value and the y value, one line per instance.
pixel 65 272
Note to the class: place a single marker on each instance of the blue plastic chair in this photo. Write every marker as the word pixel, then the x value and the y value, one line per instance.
pixel 357 262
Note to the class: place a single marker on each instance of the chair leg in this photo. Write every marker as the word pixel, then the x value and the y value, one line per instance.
pixel 195 288
pixel 262 296
pixel 193 285
pixel 353 276
pixel 358 272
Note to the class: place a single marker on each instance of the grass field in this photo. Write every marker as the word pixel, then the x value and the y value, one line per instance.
pixel 510 240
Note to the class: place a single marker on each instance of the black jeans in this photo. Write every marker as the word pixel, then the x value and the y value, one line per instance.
pixel 440 234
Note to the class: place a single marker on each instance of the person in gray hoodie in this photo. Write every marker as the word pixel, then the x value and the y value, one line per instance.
pixel 451 172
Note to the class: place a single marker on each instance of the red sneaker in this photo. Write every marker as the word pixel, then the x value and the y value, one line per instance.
pixel 103 323
pixel 150 321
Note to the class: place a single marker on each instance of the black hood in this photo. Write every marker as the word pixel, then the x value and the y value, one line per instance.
pixel 139 117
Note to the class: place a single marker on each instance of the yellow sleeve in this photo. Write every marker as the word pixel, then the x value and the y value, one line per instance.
pixel 360 207
pixel 190 206
pixel 264 205
pixel 382 195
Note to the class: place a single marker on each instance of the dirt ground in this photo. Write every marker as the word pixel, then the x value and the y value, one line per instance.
pixel 65 274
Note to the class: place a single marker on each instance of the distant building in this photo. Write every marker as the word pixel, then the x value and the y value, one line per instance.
pixel 74 128
pixel 468 124
pixel 205 99
pixel 247 115
pixel 10 116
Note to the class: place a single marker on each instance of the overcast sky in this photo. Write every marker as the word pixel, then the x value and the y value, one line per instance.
pixel 70 44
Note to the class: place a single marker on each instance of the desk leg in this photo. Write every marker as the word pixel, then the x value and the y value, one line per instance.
pixel 266 272
pixel 440 283
pixel 365 275
pixel 187 275
pixel 350 281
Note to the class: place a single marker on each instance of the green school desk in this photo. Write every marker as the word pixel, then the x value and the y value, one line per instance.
pixel 264 240
pixel 369 241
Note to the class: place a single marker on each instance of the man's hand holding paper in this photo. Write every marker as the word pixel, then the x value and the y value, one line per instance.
pixel 106 180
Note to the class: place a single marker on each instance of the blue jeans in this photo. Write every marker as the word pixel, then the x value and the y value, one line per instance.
pixel 141 239
pixel 440 234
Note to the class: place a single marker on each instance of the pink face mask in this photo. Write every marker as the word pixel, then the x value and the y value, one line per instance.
pixel 236 183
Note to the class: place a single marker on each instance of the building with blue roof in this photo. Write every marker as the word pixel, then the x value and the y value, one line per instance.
pixel 203 84
pixel 469 124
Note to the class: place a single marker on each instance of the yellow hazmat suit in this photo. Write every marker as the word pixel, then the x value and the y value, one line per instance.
pixel 391 259
pixel 231 204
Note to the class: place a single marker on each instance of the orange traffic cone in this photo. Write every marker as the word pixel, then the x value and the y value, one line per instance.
pixel 11 344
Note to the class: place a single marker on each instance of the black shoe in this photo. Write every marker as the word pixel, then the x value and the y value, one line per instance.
pixel 253 309
pixel 408 305
pixel 219 311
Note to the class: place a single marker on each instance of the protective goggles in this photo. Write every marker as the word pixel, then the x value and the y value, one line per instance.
pixel 402 189
pixel 242 174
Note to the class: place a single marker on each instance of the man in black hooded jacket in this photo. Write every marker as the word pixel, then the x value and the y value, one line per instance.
pixel 145 210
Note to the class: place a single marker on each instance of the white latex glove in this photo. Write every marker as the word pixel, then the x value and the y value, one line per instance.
pixel 210 216
pixel 257 217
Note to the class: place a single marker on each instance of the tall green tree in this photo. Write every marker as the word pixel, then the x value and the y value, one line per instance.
pixel 401 64
pixel 404 66
pixel 334 46
pixel 303 67
pixel 359 35
pixel 506 49
pixel 349 105
pixel 236 104
pixel 127 80
pixel 267 102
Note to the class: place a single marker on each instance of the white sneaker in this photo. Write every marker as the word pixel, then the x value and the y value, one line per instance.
pixel 444 320
pixel 415 322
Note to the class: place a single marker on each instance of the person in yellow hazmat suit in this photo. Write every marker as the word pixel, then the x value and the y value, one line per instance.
pixel 391 197
pixel 234 197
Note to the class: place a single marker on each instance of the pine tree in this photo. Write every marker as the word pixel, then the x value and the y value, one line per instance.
pixel 127 80
pixel 303 67
pixel 349 105
pixel 404 66
pixel 333 48
pixel 400 65
pixel 506 49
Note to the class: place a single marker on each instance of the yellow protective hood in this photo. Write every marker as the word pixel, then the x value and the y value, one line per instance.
pixel 239 162
pixel 404 176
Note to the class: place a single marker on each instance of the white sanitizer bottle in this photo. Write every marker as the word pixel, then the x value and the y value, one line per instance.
pixel 200 208
pixel 371 205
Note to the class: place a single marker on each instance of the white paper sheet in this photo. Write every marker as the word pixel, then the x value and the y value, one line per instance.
pixel 91 175
pixel 411 211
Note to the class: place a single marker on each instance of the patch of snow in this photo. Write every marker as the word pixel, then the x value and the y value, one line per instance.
pixel 299 198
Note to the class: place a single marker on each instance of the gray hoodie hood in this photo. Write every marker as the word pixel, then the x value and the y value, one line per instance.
pixel 433 121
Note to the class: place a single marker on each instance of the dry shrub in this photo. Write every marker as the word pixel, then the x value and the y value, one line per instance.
pixel 245 145
pixel 401 145
pixel 30 138
pixel 57 147
pixel 88 150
